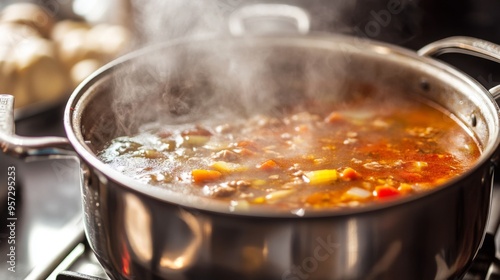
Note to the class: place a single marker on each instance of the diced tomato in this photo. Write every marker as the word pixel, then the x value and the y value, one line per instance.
pixel 268 165
pixel 321 177
pixel 201 175
pixel 386 191
pixel 349 174
pixel 259 200
pixel 405 188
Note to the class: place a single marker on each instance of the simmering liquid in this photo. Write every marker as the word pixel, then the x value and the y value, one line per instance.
pixel 313 155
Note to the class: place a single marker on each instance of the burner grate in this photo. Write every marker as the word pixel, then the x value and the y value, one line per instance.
pixel 69 275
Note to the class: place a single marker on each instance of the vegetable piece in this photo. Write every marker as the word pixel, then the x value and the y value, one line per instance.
pixel 385 192
pixel 268 165
pixel 349 174
pixel 302 128
pixel 247 144
pixel 321 177
pixel 168 145
pixel 405 188
pixel 358 193
pixel 201 175
pixel 259 182
pixel 276 195
pixel 239 205
pixel 334 117
pixel 195 140
pixel 410 177
pixel 123 147
pixel 228 167
pixel 378 123
pixel 273 196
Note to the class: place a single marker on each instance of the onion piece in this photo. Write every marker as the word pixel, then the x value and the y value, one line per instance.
pixel 200 175
pixel 358 192
pixel 239 205
pixel 228 167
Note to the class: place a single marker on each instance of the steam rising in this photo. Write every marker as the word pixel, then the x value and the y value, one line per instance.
pixel 222 77
pixel 158 20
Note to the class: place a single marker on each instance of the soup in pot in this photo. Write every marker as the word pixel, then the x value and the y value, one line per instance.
pixel 311 155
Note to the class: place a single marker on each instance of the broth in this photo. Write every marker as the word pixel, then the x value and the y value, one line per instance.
pixel 312 155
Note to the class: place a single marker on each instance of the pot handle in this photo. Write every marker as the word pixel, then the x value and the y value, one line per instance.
pixel 237 20
pixel 20 146
pixel 465 45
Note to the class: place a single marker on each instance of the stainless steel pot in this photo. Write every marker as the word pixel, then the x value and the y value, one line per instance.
pixel 142 232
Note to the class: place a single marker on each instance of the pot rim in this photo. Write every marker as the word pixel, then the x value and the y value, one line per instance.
pixel 80 97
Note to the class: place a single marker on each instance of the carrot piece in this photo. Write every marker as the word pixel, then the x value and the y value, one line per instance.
pixel 349 174
pixel 268 165
pixel 201 175
pixel 259 200
pixel 386 191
